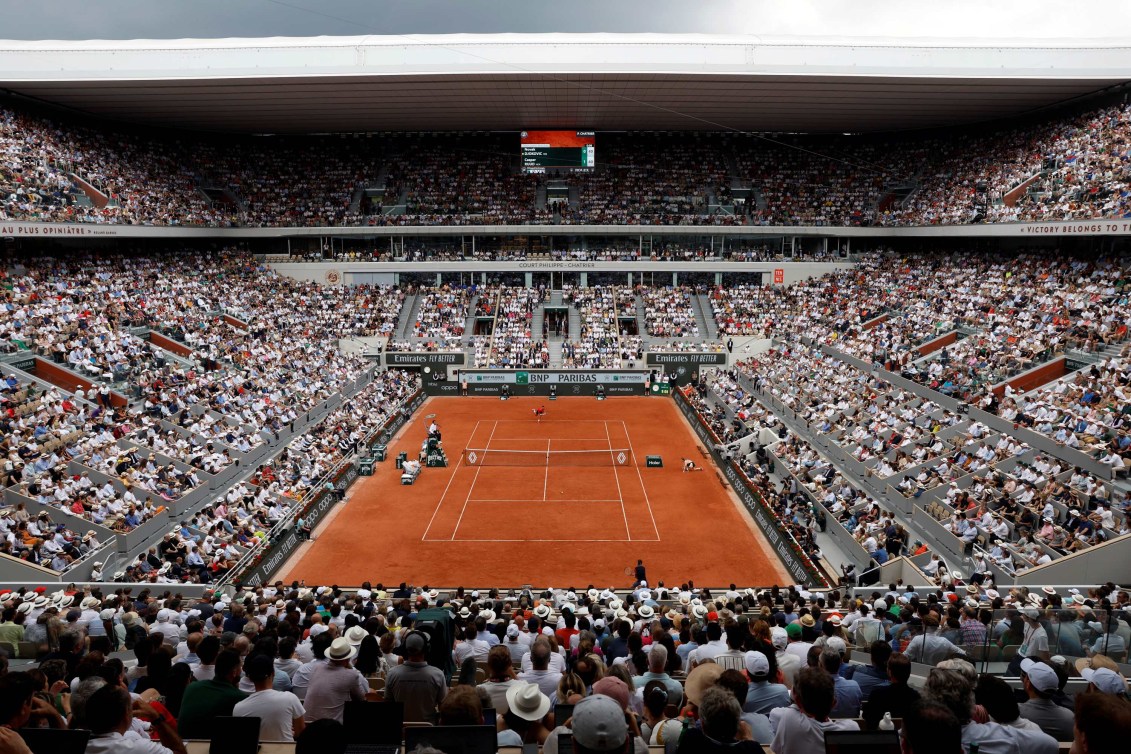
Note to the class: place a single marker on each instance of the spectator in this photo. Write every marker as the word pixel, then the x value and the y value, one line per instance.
pixel 996 697
pixel 874 675
pixel 763 695
pixel 281 714
pixel 415 683
pixel 525 716
pixel 110 712
pixel 1041 683
pixel 334 683
pixel 931 728
pixel 720 726
pixel 216 697
pixel 599 724
pixel 755 725
pixel 1102 723
pixel 896 697
pixel 800 728
pixel 953 691
pixel 847 691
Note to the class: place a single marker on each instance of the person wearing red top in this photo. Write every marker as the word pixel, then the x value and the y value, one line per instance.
pixel 565 634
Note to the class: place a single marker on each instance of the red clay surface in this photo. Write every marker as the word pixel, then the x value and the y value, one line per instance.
pixel 558 525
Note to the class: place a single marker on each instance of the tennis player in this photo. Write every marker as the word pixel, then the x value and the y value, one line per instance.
pixel 539 413
pixel 689 465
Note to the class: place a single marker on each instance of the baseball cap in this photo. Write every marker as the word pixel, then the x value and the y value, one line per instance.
pixel 614 688
pixel 757 664
pixel 415 643
pixel 837 644
pixel 779 637
pixel 513 631
pixel 599 724
pixel 1041 675
pixel 1105 679
pixel 793 631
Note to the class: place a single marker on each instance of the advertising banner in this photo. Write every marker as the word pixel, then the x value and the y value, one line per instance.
pixel 542 381
pixel 423 358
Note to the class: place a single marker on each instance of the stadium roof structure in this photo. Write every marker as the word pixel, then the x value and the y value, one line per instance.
pixel 607 82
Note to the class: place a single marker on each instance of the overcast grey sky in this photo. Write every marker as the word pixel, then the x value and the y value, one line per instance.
pixel 165 19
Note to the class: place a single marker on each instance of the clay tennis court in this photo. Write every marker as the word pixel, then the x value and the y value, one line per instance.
pixel 562 501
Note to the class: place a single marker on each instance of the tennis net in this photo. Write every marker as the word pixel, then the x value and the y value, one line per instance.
pixel 499 457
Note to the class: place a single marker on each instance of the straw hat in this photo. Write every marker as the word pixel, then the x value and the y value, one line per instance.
pixel 341 649
pixel 527 701
pixel 355 635
pixel 645 612
pixel 700 679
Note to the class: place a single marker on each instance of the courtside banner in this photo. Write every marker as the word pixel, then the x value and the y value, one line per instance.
pixel 683 368
pixel 551 377
pixel 423 358
pixel 681 359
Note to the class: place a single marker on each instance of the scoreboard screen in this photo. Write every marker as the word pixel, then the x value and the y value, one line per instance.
pixel 559 150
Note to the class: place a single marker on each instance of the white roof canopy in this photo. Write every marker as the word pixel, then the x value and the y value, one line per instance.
pixel 591 81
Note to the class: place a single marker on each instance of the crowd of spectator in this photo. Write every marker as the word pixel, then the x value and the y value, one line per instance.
pixel 442 315
pixel 680 667
pixel 669 312
pixel 600 344
pixel 1061 167
pixel 512 343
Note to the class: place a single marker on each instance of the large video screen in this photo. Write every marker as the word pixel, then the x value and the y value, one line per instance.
pixel 559 150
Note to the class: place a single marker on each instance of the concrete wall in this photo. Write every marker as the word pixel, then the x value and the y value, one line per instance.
pixel 319 272
pixel 1042 375
pixel 1110 561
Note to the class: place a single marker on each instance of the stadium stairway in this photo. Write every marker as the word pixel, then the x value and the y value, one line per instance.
pixel 555 346
pixel 574 323
pixel 355 200
pixel 704 317
pixel 469 323
pixel 407 318
pixel 641 320
pixel 537 320
pixel 555 298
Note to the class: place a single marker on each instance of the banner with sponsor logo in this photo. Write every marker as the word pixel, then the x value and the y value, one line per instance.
pixel 565 383
pixel 423 358
pixel 683 368
pixel 784 545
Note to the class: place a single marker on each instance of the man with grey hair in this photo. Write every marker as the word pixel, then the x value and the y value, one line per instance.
pixel 951 689
pixel 657 671
pixel 81 693
pixel 541 673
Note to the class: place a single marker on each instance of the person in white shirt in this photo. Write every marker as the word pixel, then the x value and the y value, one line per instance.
pixel 280 712
pixel 109 714
pixel 800 728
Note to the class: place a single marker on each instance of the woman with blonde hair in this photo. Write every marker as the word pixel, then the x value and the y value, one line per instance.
pixel 571 689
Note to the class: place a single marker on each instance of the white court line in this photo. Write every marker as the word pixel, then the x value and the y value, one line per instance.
pixel 641 477
pixel 616 475
pixel 547 540
pixel 555 421
pixel 546 481
pixel 528 500
pixel 450 480
pixel 473 481
pixel 559 439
